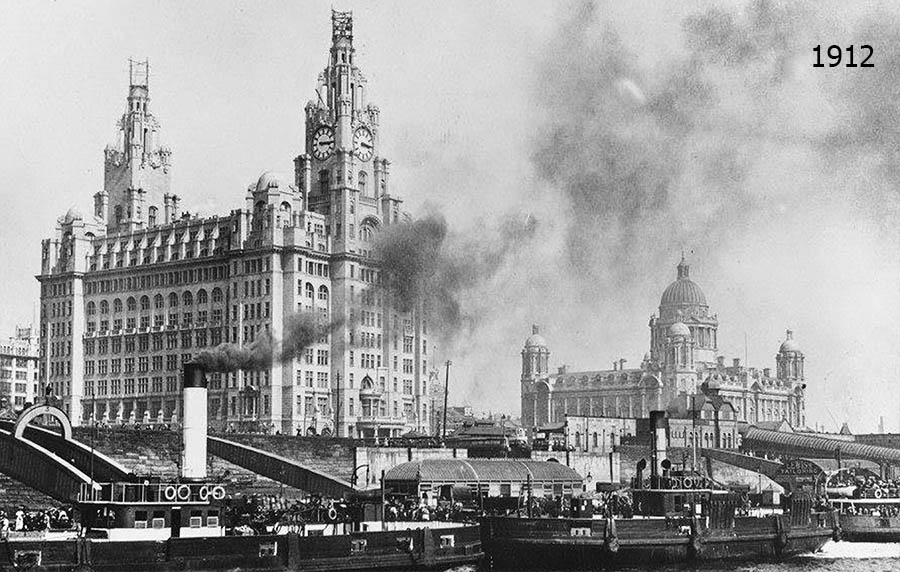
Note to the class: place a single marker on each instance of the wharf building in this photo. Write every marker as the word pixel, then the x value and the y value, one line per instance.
pixel 682 372
pixel 131 291
pixel 19 383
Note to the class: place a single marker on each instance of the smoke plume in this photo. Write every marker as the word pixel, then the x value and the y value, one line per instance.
pixel 301 330
pixel 425 263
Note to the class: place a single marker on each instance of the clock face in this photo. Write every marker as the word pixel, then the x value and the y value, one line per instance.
pixel 363 145
pixel 323 142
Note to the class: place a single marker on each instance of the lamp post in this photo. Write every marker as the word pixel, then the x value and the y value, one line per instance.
pixel 446 391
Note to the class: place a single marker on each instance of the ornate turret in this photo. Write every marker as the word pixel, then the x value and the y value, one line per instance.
pixel 137 177
pixel 789 360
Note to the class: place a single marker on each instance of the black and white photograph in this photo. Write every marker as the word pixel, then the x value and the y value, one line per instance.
pixel 468 286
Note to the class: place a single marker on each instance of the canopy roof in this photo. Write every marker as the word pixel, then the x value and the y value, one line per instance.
pixel 482 471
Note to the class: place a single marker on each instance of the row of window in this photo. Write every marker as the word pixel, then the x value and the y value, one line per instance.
pixel 131 386
pixel 154 342
pixel 157 280
pixel 8 361
pixel 131 304
pixel 159 320
pixel 8 374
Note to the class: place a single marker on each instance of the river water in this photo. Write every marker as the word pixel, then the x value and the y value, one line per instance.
pixel 834 557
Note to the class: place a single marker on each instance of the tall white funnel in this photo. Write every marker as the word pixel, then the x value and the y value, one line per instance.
pixel 193 456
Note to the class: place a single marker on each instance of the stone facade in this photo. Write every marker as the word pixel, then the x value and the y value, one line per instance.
pixel 683 357
pixel 19 384
pixel 131 292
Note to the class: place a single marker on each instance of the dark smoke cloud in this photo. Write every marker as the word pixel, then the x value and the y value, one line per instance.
pixel 301 330
pixel 232 357
pixel 632 149
pixel 424 262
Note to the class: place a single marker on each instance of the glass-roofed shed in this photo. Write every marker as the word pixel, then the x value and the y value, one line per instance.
pixel 492 477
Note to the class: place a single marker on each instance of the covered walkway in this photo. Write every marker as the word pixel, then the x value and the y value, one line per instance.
pixel 796 445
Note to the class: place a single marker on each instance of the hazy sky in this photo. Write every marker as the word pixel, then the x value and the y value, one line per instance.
pixel 628 131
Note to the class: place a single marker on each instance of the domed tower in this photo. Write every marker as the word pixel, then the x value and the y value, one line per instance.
pixel 535 356
pixel 684 302
pixel 789 360
pixel 535 390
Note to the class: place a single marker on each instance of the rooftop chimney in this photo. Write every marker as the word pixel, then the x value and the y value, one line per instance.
pixel 193 460
pixel 535 329
pixel 767 372
pixel 720 361
pixel 737 362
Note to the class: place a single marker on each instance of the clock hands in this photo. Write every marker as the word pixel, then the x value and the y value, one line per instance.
pixel 324 143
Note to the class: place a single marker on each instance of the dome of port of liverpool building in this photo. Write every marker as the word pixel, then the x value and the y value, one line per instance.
pixel 683 291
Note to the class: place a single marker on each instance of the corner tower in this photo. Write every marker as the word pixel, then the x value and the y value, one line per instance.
pixel 534 389
pixel 789 360
pixel 137 181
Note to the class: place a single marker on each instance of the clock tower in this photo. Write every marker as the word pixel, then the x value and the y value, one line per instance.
pixel 342 174
pixel 378 371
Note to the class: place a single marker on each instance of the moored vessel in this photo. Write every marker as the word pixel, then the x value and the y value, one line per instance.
pixel 158 526
pixel 677 517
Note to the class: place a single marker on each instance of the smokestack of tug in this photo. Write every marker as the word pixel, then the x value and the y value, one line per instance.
pixel 657 446
pixel 193 460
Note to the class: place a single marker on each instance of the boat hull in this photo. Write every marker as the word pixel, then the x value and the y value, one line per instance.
pixel 422 549
pixel 860 528
pixel 642 542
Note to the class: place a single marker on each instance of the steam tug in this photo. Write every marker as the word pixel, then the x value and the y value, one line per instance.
pixel 678 517
pixel 160 526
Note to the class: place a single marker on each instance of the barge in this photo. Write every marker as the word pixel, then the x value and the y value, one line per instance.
pixel 678 517
pixel 160 527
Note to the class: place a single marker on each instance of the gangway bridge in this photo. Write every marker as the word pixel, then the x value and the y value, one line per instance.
pixel 58 465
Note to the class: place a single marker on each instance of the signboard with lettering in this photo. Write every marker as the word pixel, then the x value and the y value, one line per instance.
pixel 800 475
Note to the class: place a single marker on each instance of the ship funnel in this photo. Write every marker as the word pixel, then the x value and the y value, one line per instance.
pixel 193 460
pixel 657 446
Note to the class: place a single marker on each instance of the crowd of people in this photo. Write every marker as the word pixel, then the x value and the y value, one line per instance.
pixel 264 514
pixel 20 519
pixel 863 484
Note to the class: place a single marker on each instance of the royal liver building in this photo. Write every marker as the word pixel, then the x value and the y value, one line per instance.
pixel 683 361
pixel 137 287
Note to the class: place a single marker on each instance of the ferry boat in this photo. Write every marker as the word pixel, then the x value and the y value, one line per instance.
pixel 158 527
pixel 677 517
pixel 865 513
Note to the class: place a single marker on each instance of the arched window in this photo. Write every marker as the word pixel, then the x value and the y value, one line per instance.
pixel 158 301
pixel 187 298
pixel 217 295
pixel 323 180
pixel 310 290
pixel 361 182
pixel 151 216
pixel 145 303
pixel 131 304
pixel 323 293
pixel 577 439
pixel 118 211
pixel 202 297
pixel 104 307
pixel 91 309
pixel 117 305
pixel 173 300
